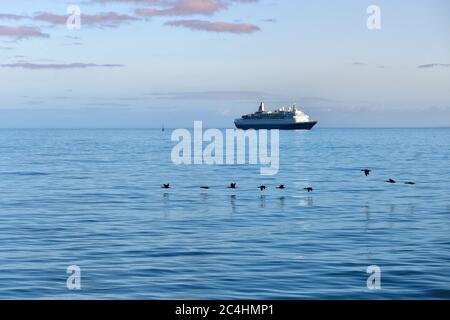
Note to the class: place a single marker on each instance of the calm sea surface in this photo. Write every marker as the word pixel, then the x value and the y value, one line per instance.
pixel 93 198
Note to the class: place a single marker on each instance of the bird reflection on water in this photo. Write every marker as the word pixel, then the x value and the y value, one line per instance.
pixel 282 202
pixel 262 201
pixel 233 203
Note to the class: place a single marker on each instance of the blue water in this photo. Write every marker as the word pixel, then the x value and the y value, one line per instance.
pixel 92 198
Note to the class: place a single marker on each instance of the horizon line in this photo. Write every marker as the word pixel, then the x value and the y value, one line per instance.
pixel 206 128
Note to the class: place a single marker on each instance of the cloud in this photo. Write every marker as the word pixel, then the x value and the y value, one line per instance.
pixel 132 1
pixel 434 65
pixel 172 3
pixel 8 16
pixel 237 28
pixel 75 43
pixel 22 32
pixel 185 8
pixel 107 104
pixel 213 95
pixel 58 66
pixel 108 19
pixel 144 9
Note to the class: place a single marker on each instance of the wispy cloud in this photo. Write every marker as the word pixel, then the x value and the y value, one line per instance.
pixel 73 37
pixel 75 43
pixel 58 66
pixel 434 65
pixel 22 32
pixel 213 95
pixel 202 25
pixel 9 16
pixel 107 19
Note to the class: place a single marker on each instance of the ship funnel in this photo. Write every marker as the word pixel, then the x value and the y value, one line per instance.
pixel 262 107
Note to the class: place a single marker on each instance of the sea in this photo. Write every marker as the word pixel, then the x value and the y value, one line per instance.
pixel 91 200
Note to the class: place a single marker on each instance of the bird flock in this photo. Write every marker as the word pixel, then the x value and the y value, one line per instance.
pixel 233 185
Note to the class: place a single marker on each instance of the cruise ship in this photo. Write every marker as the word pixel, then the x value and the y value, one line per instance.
pixel 282 119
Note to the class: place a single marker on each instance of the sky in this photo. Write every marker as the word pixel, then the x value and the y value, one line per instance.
pixel 145 63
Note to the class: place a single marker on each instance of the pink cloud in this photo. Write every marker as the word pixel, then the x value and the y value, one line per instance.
pixel 238 28
pixel 133 1
pixel 22 32
pixel 185 8
pixel 145 2
pixel 148 8
pixel 164 2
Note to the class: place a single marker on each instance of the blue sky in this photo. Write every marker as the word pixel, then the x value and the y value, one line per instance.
pixel 141 63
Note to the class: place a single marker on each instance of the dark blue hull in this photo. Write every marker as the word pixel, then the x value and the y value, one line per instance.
pixel 289 126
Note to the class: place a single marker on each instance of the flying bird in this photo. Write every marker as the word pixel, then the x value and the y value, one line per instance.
pixel 366 171
pixel 232 185
pixel 166 186
pixel 309 189
pixel 262 188
pixel 391 181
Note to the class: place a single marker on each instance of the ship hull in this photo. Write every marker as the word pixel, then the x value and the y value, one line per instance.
pixel 280 126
